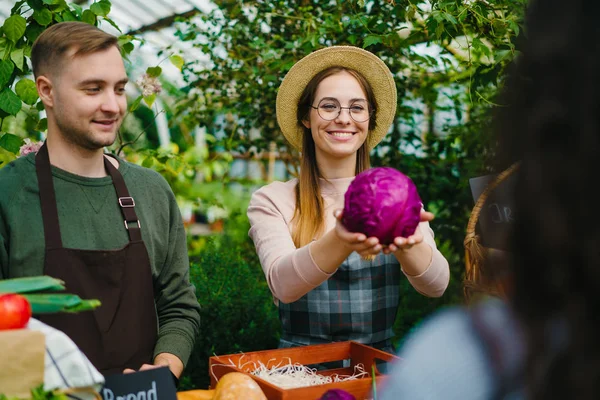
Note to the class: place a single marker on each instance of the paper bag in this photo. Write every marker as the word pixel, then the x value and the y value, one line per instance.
pixel 21 361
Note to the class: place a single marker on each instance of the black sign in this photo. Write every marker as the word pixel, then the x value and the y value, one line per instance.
pixel 496 216
pixel 153 384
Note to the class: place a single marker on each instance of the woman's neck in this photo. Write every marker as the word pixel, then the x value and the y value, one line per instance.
pixel 337 168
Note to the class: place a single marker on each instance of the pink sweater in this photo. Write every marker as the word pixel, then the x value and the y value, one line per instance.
pixel 292 272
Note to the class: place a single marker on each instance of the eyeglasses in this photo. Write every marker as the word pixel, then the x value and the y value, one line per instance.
pixel 330 109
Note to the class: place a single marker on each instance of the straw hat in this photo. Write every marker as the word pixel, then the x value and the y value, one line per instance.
pixel 367 64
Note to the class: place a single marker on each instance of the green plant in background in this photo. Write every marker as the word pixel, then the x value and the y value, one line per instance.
pixel 19 101
pixel 238 314
pixel 18 94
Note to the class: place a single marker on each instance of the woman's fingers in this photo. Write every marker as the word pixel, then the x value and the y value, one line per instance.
pixel 426 216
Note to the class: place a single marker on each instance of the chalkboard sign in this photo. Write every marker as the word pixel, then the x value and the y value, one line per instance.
pixel 153 384
pixel 496 218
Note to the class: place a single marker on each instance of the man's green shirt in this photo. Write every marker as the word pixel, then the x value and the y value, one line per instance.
pixel 90 218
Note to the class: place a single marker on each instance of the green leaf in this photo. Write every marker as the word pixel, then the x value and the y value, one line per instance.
pixel 17 57
pixel 136 103
pixel 51 302
pixel 43 16
pixel 17 7
pixel 124 39
pixel 6 69
pixel 51 2
pixel 42 125
pixel 514 26
pixel 68 16
pixel 177 61
pixel 149 100
pixel 439 31
pixel 40 106
pixel 148 162
pixel 3 46
pixel 11 143
pixel 371 40
pixel 7 123
pixel 101 8
pixel 14 27
pixel 35 4
pixel 88 17
pixel 78 9
pixel 33 283
pixel 10 102
pixel 84 305
pixel 128 47
pixel 33 31
pixel 450 18
pixel 154 71
pixel 27 91
pixel 114 25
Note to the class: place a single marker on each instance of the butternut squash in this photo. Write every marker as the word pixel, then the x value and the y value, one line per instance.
pixel 196 395
pixel 236 385
pixel 231 386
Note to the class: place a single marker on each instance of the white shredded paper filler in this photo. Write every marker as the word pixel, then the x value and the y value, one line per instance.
pixel 294 375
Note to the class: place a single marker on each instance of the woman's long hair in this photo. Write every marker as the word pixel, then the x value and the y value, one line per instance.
pixel 552 126
pixel 309 219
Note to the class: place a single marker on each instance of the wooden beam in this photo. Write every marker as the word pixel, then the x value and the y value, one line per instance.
pixel 163 22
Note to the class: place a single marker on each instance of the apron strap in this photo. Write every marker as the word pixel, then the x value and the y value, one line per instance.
pixel 126 202
pixel 47 199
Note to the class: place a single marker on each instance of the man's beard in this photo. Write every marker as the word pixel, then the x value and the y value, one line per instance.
pixel 84 138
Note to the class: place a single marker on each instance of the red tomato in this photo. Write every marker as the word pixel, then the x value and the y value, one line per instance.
pixel 15 311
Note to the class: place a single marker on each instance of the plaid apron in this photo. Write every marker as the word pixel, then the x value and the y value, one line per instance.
pixel 359 302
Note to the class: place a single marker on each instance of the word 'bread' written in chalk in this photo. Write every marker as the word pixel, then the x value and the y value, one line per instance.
pixel 108 394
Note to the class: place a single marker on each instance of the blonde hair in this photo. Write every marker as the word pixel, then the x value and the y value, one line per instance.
pixel 51 47
pixel 309 219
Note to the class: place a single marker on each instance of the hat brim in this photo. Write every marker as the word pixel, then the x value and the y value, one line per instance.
pixel 366 63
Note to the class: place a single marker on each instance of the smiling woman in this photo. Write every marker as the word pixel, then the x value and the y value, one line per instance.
pixel 335 105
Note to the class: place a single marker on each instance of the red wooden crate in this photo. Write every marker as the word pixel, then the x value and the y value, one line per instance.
pixel 357 353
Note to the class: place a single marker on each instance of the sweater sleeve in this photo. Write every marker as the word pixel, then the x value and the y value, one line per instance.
pixel 290 272
pixel 176 303
pixel 434 280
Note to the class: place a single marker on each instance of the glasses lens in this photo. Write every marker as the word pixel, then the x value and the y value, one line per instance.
pixel 359 112
pixel 329 109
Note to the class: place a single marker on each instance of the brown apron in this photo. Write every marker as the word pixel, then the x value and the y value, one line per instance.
pixel 122 332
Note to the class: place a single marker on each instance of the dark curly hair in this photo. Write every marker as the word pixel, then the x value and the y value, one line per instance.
pixel 552 126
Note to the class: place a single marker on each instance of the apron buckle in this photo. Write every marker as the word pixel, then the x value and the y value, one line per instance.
pixel 127 226
pixel 126 202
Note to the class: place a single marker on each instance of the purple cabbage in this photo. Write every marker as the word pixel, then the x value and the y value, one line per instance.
pixel 382 202
pixel 337 394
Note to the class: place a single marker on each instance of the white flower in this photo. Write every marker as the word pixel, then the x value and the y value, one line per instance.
pixel 149 85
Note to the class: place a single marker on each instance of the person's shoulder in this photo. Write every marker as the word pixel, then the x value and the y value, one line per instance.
pixel 442 357
pixel 142 175
pixel 278 197
pixel 276 192
pixel 458 324
pixel 16 175
pixel 20 166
